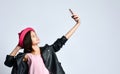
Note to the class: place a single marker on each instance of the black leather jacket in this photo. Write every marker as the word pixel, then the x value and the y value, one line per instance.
pixel 49 57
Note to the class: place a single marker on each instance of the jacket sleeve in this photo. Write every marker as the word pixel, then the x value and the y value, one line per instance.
pixel 59 43
pixel 9 61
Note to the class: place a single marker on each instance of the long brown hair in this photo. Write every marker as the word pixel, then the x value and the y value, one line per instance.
pixel 27 43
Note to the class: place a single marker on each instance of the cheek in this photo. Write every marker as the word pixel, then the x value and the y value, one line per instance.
pixel 35 40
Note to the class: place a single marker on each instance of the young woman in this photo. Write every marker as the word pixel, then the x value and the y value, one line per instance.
pixel 35 59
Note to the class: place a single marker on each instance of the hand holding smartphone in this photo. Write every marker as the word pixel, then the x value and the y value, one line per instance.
pixel 74 16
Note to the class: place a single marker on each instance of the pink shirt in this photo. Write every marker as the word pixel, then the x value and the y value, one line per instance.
pixel 36 64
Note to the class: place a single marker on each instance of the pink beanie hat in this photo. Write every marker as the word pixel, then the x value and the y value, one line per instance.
pixel 22 35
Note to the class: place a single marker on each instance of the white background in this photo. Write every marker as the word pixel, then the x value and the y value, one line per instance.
pixel 93 49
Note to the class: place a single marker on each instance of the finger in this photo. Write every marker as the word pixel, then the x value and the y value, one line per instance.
pixel 77 20
pixel 75 16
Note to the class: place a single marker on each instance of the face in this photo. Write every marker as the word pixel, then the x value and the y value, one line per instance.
pixel 34 37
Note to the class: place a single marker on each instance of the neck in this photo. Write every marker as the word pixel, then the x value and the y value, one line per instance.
pixel 36 49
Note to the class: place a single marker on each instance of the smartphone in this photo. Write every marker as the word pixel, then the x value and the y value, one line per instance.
pixel 71 11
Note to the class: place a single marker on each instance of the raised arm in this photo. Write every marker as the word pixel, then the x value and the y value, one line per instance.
pixel 15 50
pixel 73 29
pixel 9 61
